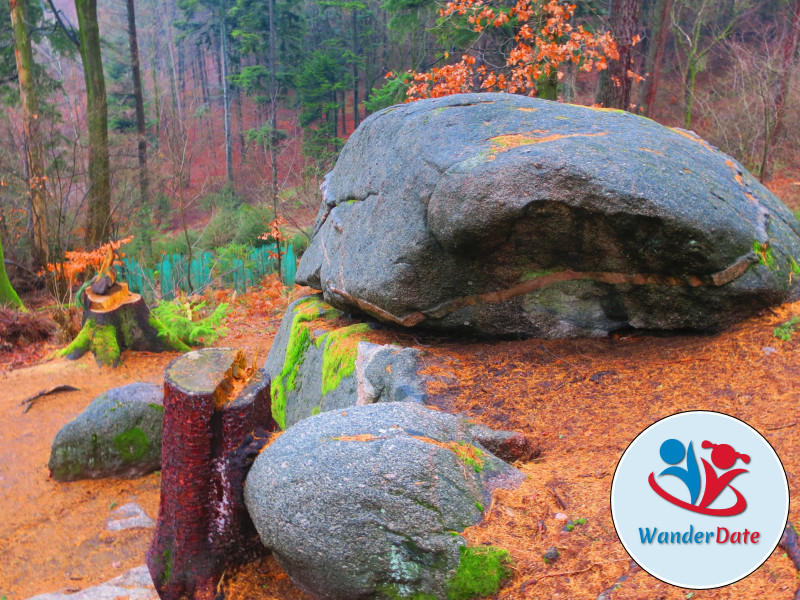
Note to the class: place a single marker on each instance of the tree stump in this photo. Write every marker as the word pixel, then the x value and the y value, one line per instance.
pixel 114 319
pixel 203 524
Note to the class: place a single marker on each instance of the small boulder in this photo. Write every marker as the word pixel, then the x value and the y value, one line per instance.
pixel 319 362
pixel 369 502
pixel 118 435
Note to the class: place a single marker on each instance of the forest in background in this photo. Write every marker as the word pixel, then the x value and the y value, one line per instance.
pixel 208 124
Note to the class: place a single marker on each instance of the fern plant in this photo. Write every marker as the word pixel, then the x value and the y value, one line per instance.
pixel 182 319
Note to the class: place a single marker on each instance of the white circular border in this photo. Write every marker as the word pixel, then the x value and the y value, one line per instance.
pixel 786 490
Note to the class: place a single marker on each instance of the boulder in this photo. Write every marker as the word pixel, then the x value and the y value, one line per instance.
pixel 118 435
pixel 320 361
pixel 369 502
pixel 504 215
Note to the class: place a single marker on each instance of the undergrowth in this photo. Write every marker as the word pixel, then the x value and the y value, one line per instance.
pixel 183 320
pixel 785 330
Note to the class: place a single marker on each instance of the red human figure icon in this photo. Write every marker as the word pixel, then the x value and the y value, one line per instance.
pixel 724 457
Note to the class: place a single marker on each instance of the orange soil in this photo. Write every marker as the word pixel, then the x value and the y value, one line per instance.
pixel 582 400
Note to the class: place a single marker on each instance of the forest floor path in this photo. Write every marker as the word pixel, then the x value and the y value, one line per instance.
pixel 582 401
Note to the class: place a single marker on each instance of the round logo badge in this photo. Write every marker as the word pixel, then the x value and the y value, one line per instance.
pixel 699 499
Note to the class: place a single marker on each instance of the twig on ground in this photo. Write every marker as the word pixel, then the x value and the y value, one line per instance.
pixel 606 593
pixel 559 501
pixel 30 400
pixel 792 424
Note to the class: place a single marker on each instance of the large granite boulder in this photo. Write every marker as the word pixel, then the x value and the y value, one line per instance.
pixel 320 361
pixel 369 502
pixel 118 435
pixel 507 215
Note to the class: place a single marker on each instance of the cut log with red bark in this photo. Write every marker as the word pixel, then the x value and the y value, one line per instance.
pixel 212 405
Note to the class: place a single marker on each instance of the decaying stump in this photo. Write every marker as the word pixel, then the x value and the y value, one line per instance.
pixel 212 404
pixel 114 318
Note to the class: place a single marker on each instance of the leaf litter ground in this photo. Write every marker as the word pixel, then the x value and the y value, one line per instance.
pixel 583 401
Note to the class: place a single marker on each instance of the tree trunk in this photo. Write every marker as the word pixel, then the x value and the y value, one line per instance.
pixel 98 222
pixel 37 187
pixel 344 116
pixel 615 88
pixel 177 101
pixel 8 295
pixel 237 97
pixel 156 94
pixel 273 102
pixel 356 116
pixel 655 57
pixel 688 97
pixel 226 101
pixel 789 52
pixel 139 100
pixel 203 524
pixel 547 87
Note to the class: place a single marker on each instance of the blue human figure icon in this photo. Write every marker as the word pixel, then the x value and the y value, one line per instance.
pixel 672 452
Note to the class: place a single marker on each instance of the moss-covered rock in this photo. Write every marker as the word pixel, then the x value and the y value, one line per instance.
pixel 370 503
pixel 320 362
pixel 118 435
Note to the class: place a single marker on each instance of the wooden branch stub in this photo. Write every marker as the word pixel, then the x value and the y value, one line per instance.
pixel 203 525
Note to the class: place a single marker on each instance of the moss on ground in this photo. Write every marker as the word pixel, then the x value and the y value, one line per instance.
pixel 480 572
pixel 308 309
pixel 339 354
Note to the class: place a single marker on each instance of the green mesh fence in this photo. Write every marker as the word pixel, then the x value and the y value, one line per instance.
pixel 174 272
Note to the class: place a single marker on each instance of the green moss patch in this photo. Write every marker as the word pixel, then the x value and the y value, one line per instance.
pixel 305 311
pixel 132 445
pixel 481 571
pixel 339 354
pixel 101 340
pixel 786 330
pixel 765 255
pixel 394 591
pixel 471 455
pixel 530 275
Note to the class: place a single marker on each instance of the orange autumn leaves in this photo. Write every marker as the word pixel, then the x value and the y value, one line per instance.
pixel 78 262
pixel 544 40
